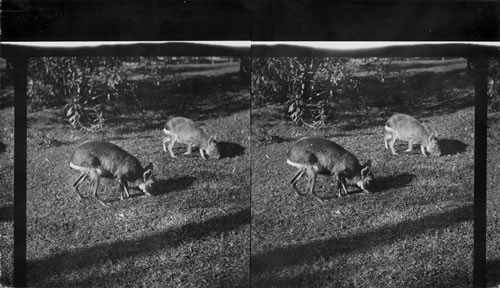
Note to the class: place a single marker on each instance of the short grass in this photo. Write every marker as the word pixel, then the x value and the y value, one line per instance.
pixel 6 195
pixel 194 232
pixel 184 70
pixel 411 68
pixel 415 231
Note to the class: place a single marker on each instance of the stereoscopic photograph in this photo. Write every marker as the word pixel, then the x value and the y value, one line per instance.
pixel 138 171
pixel 335 170
pixel 362 171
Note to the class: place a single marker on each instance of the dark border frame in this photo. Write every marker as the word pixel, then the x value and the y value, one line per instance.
pixel 477 54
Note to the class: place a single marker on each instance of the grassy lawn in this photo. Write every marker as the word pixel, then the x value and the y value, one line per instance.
pixel 415 231
pixel 194 232
pixel 493 201
pixel 6 176
pixel 183 70
pixel 6 195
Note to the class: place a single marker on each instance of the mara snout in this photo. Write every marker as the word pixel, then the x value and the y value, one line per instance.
pixel 313 156
pixel 186 131
pixel 407 128
pixel 96 159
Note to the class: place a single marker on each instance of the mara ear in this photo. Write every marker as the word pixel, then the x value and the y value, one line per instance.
pixel 148 172
pixel 147 175
pixel 365 171
pixel 366 168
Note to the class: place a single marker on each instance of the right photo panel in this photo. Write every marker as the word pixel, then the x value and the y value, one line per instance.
pixel 363 171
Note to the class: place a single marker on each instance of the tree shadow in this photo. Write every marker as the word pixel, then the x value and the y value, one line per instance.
pixel 451 146
pixel 125 124
pixel 416 97
pixel 493 272
pixel 7 213
pixel 230 149
pixel 66 262
pixel 393 181
pixel 283 257
pixel 198 98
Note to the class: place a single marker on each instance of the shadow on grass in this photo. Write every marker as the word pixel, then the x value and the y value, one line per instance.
pixel 280 258
pixel 162 187
pixel 382 183
pixel 230 150
pixel 451 146
pixel 493 272
pixel 7 213
pixel 393 181
pixel 3 147
pixel 67 262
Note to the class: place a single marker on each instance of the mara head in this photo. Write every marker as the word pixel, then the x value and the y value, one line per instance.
pixel 433 145
pixel 148 180
pixel 367 180
pixel 212 148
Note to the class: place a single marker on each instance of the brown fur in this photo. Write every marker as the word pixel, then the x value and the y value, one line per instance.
pixel 96 159
pixel 407 128
pixel 186 131
pixel 321 156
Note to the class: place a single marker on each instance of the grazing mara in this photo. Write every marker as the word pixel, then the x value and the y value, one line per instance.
pixel 321 156
pixel 185 131
pixel 97 159
pixel 407 128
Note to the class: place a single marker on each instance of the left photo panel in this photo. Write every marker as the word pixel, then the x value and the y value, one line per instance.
pixel 6 172
pixel 138 171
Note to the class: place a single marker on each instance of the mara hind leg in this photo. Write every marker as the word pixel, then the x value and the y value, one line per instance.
pixel 165 141
pixel 94 180
pixel 169 137
pixel 312 182
pixel 387 137
pixel 83 175
pixel 294 180
pixel 171 145
pixel 391 144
